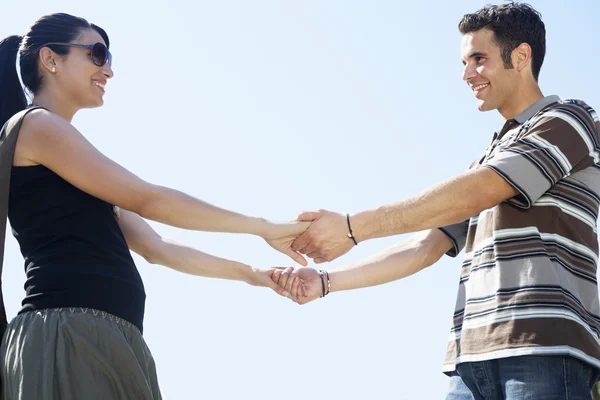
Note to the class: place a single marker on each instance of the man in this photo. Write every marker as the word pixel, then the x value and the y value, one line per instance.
pixel 527 317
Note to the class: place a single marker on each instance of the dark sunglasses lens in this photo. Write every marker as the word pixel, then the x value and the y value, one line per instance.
pixel 100 54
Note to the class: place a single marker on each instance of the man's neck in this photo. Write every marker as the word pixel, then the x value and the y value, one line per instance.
pixel 520 102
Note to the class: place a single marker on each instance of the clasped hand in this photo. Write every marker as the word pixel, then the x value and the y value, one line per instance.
pixel 324 240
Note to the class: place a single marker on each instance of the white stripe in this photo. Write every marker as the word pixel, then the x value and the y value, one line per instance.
pixel 529 313
pixel 594 115
pixel 579 128
pixel 554 151
pixel 565 207
pixel 574 246
pixel 524 351
pixel 516 232
pixel 519 233
pixel 454 336
pixel 502 234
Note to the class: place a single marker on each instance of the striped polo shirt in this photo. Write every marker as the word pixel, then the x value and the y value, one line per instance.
pixel 528 281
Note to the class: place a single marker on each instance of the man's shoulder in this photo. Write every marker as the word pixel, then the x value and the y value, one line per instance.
pixel 577 113
pixel 573 105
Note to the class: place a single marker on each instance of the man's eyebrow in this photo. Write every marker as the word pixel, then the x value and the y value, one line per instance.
pixel 474 54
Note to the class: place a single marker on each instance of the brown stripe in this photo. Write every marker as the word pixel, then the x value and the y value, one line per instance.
pixel 579 197
pixel 546 219
pixel 526 333
pixel 517 299
pixel 561 134
pixel 583 265
pixel 534 153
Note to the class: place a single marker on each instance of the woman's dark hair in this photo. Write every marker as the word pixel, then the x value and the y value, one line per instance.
pixel 63 28
pixel 513 24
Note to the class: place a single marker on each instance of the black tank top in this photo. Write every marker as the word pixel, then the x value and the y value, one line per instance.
pixel 75 253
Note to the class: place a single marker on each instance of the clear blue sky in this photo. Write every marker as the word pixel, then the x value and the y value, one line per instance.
pixel 276 107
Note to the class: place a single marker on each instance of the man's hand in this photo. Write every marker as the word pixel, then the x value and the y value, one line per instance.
pixel 302 284
pixel 327 237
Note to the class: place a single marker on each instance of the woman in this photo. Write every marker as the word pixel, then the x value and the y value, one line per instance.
pixel 79 333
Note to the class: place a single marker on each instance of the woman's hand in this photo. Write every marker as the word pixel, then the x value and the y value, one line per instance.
pixel 264 277
pixel 280 236
pixel 303 285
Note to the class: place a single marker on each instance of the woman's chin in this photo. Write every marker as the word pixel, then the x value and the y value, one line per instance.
pixel 95 103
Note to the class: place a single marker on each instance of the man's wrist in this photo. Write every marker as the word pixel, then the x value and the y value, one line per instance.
pixel 362 225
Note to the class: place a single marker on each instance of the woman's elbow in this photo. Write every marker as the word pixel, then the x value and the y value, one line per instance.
pixel 153 251
pixel 150 205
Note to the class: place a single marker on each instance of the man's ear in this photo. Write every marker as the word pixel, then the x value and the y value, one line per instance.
pixel 521 57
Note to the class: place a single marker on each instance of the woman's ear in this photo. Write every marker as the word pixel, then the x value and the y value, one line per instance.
pixel 48 59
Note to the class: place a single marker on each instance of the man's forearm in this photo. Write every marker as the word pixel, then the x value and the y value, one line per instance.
pixel 448 202
pixel 393 263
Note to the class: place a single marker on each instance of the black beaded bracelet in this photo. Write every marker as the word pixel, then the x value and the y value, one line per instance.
pixel 322 283
pixel 350 234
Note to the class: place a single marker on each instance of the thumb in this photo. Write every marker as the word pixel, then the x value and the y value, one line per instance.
pixel 296 228
pixel 278 289
pixel 276 273
pixel 308 216
pixel 294 255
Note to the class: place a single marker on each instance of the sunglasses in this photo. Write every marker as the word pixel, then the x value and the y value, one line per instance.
pixel 98 51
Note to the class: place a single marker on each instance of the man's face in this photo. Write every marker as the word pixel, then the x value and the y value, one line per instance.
pixel 484 72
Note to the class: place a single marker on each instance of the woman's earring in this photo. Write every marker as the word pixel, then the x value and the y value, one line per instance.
pixel 53 70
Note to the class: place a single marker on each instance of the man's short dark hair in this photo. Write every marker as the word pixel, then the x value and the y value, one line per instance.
pixel 512 24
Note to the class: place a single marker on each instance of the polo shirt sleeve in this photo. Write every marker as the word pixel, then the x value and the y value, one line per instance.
pixel 457 233
pixel 555 146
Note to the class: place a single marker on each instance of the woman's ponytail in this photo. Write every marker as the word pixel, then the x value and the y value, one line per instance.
pixel 12 97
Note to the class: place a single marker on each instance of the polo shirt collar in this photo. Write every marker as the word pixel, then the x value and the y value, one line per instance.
pixel 535 107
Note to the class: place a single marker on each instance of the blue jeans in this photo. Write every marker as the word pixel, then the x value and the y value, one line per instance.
pixel 523 378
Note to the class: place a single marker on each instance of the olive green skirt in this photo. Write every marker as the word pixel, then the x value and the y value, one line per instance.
pixel 74 354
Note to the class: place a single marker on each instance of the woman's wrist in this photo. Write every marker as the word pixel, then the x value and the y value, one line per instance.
pixel 261 227
pixel 246 273
pixel 256 226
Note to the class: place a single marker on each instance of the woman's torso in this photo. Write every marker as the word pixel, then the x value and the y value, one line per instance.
pixel 75 252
